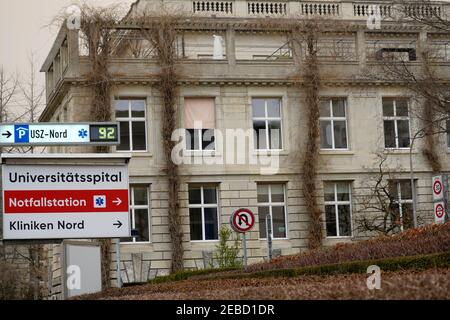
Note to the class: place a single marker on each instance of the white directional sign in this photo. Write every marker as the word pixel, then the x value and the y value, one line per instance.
pixel 43 134
pixel 65 202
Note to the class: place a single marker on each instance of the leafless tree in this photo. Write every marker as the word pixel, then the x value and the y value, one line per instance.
pixel 379 209
pixel 8 90
pixel 32 94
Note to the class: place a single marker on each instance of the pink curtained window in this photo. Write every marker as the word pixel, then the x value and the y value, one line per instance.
pixel 199 111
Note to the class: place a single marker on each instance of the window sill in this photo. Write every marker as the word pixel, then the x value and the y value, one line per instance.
pixel 399 151
pixel 337 152
pixel 137 154
pixel 135 243
pixel 191 153
pixel 270 152
pixel 340 238
pixel 204 241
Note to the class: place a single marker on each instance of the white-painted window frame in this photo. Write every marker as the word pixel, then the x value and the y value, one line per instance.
pixel 133 209
pixel 204 206
pixel 266 119
pixel 130 119
pixel 396 118
pixel 200 141
pixel 336 203
pixel 271 204
pixel 399 200
pixel 332 119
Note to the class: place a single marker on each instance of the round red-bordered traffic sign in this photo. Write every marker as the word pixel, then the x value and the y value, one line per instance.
pixel 439 211
pixel 437 187
pixel 243 220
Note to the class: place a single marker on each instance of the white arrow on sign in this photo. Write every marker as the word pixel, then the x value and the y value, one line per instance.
pixel 117 202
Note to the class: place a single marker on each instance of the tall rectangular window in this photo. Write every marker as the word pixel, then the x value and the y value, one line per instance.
pixel 139 213
pixel 401 192
pixel 267 124
pixel 337 196
pixel 271 201
pixel 396 123
pixel 200 123
pixel 131 115
pixel 204 212
pixel 333 124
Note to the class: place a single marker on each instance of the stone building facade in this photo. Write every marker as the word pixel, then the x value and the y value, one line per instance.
pixel 236 76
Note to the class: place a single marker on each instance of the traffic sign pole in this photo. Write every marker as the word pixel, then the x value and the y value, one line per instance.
pixel 244 247
pixel 269 237
pixel 242 221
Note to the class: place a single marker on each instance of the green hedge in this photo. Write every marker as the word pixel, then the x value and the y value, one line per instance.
pixel 438 260
pixel 184 275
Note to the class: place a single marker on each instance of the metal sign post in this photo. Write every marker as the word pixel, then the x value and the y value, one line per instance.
pixel 269 237
pixel 242 221
pixel 244 247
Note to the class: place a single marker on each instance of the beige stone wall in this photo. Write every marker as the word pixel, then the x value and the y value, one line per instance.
pixel 237 183
pixel 233 83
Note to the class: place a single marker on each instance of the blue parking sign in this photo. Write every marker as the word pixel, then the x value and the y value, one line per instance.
pixel 21 133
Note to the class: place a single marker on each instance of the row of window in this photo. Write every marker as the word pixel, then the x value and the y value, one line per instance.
pixel 204 211
pixel 200 124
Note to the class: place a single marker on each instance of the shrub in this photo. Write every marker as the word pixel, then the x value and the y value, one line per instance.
pixel 420 241
pixel 422 262
pixel 226 255
pixel 11 285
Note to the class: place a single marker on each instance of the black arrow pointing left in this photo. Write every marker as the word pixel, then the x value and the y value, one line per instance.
pixel 7 134
pixel 118 224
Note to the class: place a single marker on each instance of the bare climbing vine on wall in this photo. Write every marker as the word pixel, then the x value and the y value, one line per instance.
pixel 96 28
pixel 311 153
pixel 429 118
pixel 163 35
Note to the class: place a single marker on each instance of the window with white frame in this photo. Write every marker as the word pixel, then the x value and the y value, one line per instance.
pixel 267 124
pixel 338 209
pixel 401 192
pixel 272 202
pixel 200 123
pixel 204 212
pixel 396 123
pixel 131 115
pixel 333 124
pixel 139 213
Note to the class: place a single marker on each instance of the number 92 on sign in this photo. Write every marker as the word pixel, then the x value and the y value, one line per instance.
pixel 104 133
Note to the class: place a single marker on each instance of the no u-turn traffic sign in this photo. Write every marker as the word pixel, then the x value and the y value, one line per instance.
pixel 243 220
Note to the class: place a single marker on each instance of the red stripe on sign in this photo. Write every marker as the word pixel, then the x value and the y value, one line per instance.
pixel 65 201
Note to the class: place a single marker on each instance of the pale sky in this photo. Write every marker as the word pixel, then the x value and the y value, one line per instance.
pixel 24 29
